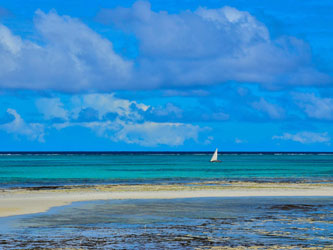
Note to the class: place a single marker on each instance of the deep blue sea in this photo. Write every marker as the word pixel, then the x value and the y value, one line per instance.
pixel 18 170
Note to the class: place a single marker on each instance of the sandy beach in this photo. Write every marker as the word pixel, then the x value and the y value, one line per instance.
pixel 36 200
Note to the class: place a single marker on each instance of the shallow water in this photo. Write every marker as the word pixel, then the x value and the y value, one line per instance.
pixel 176 224
pixel 68 169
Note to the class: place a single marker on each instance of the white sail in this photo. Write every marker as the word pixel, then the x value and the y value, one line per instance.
pixel 214 157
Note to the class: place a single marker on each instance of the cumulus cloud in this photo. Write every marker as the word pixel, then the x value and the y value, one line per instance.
pixel 101 128
pixel 69 57
pixel 190 48
pixel 18 127
pixel 272 110
pixel 209 46
pixel 148 134
pixel 314 106
pixel 305 137
pixel 52 108
pixel 154 134
pixel 122 120
pixel 106 104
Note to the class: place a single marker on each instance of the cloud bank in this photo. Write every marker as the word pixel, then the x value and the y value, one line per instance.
pixel 117 119
pixel 190 48
pixel 209 46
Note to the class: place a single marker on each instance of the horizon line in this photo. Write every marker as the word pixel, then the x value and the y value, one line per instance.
pixel 160 152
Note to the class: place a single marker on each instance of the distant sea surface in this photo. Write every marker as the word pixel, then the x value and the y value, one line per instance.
pixel 57 169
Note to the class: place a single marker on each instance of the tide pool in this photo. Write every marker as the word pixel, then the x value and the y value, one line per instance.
pixel 194 223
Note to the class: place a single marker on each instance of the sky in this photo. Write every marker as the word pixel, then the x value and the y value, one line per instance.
pixel 166 75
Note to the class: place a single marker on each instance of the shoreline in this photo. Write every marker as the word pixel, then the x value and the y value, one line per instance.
pixel 21 201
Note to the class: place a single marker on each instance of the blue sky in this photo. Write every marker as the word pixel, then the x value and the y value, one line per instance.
pixel 166 75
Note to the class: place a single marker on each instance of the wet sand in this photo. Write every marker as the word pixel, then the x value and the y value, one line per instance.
pixel 40 199
pixel 190 223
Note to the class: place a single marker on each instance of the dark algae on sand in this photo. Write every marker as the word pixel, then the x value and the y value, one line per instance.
pixel 201 223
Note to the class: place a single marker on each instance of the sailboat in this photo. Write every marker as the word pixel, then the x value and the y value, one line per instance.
pixel 214 157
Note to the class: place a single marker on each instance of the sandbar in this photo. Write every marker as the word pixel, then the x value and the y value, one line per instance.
pixel 20 201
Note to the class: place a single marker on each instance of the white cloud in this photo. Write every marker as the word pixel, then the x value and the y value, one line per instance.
pixel 273 110
pixel 315 107
pixel 101 128
pixel 18 127
pixel 212 46
pixel 202 47
pixel 70 57
pixel 9 43
pixel 52 108
pixel 154 134
pixel 305 137
pixel 127 126
pixel 147 134
pixel 108 103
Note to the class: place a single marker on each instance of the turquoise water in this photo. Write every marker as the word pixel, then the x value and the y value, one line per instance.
pixel 67 169
pixel 193 223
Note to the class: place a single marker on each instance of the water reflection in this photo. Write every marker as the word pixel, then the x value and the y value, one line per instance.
pixel 174 224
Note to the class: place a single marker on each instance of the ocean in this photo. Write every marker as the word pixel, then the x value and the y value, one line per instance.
pixel 188 223
pixel 57 169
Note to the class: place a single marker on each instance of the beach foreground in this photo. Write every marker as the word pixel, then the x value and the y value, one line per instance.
pixel 19 201
pixel 183 223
